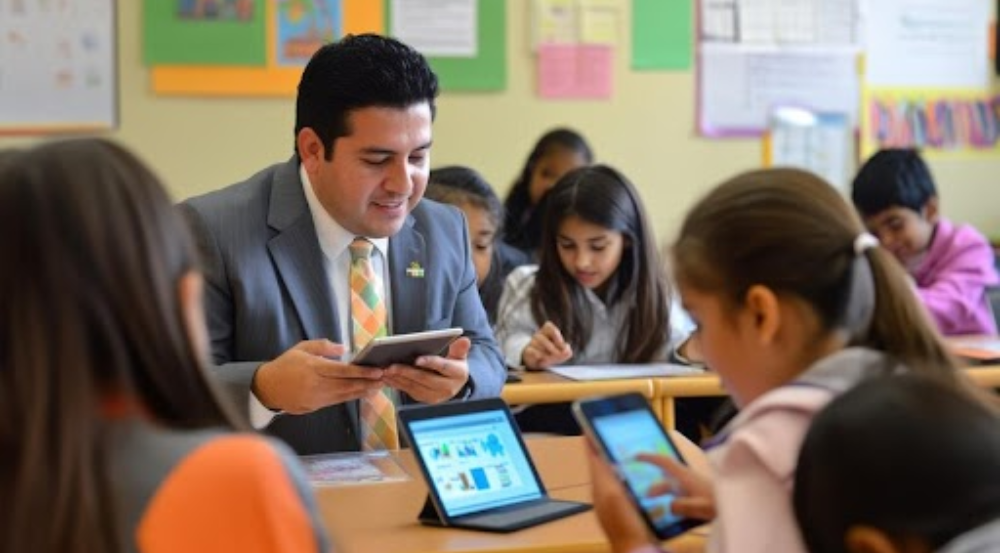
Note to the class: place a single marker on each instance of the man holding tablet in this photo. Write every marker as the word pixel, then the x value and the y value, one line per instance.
pixel 308 260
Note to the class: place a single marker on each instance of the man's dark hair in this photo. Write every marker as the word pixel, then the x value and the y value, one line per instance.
pixel 356 72
pixel 893 178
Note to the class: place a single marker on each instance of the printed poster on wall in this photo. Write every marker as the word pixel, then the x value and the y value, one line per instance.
pixel 58 64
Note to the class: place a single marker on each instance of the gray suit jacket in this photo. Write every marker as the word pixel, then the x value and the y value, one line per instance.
pixel 266 290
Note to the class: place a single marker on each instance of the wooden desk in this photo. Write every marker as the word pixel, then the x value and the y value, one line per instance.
pixel 669 388
pixel 706 385
pixel 383 517
pixel 977 349
pixel 986 376
pixel 546 387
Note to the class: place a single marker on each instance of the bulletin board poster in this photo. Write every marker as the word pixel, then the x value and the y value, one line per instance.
pixel 939 122
pixel 257 48
pixel 244 47
pixel 473 57
pixel 756 55
pixel 928 78
pixel 58 66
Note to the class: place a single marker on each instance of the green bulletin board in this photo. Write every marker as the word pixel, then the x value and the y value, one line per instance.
pixel 488 70
pixel 170 40
pixel 662 34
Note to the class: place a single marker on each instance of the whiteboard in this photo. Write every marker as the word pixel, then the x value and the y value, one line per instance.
pixel 57 65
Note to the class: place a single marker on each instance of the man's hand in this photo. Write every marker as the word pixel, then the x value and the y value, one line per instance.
pixel 546 348
pixel 433 379
pixel 306 378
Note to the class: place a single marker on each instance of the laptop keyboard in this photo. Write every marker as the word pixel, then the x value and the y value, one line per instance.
pixel 538 511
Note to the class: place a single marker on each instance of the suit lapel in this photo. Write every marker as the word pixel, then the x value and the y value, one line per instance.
pixel 297 256
pixel 407 261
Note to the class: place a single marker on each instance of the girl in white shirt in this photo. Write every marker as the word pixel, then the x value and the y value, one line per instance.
pixel 599 293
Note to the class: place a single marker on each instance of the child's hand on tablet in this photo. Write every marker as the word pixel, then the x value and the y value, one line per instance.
pixel 615 512
pixel 695 497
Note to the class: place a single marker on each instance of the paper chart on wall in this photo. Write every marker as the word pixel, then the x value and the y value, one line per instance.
pixel 740 85
pixel 928 43
pixel 575 22
pixel 822 143
pixel 437 27
pixel 816 22
pixel 755 55
pixel 599 20
pixel 57 66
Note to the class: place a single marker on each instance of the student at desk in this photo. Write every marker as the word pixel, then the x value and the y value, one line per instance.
pixel 794 304
pixel 556 153
pixel 311 258
pixel 112 438
pixel 951 265
pixel 598 295
pixel 494 259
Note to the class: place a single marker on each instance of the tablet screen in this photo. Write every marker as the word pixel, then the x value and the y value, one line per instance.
pixel 625 435
pixel 474 461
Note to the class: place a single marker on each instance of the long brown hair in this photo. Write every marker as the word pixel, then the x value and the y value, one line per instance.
pixel 604 197
pixel 93 253
pixel 792 232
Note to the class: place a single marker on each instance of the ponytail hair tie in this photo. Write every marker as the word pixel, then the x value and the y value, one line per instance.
pixel 864 242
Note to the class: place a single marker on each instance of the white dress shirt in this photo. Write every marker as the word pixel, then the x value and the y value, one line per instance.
pixel 334 241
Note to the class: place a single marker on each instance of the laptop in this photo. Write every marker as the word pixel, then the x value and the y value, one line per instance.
pixel 478 472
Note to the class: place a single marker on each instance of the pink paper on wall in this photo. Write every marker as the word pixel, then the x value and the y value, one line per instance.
pixel 575 71
pixel 556 70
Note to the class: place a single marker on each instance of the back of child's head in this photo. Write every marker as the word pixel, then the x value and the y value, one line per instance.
pixel 97 250
pixel 906 455
pixel 458 185
pixel 893 178
pixel 95 255
pixel 602 196
pixel 790 231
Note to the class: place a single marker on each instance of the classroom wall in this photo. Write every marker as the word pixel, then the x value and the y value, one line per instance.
pixel 646 130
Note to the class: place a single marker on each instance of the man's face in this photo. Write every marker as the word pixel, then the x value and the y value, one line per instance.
pixel 902 231
pixel 377 173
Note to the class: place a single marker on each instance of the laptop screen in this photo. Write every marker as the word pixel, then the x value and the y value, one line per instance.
pixel 474 461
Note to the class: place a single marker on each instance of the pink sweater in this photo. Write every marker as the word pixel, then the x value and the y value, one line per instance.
pixel 952 279
pixel 754 457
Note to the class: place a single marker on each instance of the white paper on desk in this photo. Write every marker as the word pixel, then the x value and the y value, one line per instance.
pixel 928 43
pixel 740 85
pixel 619 371
pixel 345 469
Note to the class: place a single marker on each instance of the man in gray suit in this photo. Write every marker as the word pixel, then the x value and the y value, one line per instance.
pixel 276 262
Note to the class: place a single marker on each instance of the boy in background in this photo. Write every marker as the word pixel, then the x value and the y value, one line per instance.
pixel 951 265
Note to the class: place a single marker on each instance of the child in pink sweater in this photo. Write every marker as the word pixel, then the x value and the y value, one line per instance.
pixel 951 265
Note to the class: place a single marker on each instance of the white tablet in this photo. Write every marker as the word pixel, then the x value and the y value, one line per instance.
pixel 405 348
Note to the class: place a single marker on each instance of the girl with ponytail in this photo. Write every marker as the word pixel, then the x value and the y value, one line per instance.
pixel 794 305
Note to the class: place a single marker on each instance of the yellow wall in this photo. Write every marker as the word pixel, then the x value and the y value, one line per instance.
pixel 646 130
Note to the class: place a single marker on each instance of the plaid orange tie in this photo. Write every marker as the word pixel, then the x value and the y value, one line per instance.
pixel 368 320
